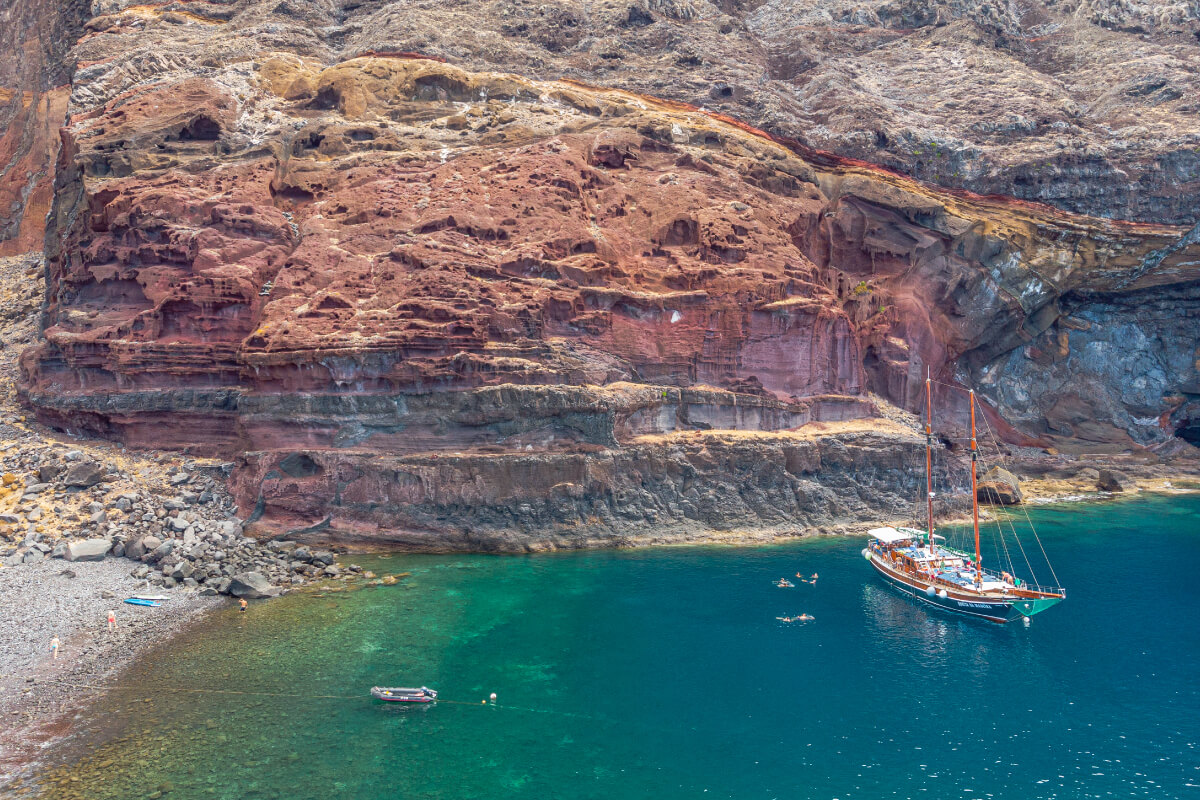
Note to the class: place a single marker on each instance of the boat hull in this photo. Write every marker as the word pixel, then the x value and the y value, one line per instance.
pixel 993 610
pixel 404 695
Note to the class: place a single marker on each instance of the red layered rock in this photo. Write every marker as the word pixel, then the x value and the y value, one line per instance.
pixel 344 271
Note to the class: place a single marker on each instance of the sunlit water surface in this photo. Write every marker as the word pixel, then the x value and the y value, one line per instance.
pixel 664 674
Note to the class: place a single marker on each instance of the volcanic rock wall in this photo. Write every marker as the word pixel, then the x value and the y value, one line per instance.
pixel 35 37
pixel 1089 105
pixel 436 306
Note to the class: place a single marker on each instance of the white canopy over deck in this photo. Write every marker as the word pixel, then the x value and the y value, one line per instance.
pixel 889 535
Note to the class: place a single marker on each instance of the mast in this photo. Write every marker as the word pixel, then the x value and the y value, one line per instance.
pixel 929 457
pixel 975 498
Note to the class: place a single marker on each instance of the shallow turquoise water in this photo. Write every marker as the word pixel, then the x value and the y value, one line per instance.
pixel 664 674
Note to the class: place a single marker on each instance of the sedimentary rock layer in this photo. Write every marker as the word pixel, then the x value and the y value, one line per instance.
pixel 1089 105
pixel 345 267
pixel 653 490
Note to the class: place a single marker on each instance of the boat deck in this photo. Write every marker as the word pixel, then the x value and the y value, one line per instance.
pixel 950 567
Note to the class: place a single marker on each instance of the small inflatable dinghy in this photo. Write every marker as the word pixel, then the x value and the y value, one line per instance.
pixel 400 695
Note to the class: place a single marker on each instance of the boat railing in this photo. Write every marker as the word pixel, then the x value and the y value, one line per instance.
pixel 1032 587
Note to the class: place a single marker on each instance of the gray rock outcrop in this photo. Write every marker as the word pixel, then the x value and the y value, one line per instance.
pixel 88 550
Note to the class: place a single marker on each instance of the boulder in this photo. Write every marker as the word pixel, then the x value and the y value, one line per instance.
pixel 88 550
pixel 32 556
pixel 48 472
pixel 150 544
pixel 137 548
pixel 83 474
pixel 1112 481
pixel 182 570
pixel 162 551
pixel 323 557
pixel 302 554
pixel 999 487
pixel 252 585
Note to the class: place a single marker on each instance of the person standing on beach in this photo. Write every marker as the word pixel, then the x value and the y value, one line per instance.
pixel 112 620
pixel 242 602
pixel 54 644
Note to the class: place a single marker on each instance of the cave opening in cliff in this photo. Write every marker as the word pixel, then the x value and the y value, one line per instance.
pixel 298 465
pixel 201 129
pixel 1189 431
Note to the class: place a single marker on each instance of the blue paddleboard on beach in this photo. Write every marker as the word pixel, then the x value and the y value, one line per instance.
pixel 137 601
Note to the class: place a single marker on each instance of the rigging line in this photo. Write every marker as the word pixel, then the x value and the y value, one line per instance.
pixel 1036 538
pixel 1012 526
pixel 1021 547
pixel 1002 538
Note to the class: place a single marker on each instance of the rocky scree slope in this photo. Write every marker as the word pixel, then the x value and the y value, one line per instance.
pixel 456 308
pixel 87 500
pixel 1089 105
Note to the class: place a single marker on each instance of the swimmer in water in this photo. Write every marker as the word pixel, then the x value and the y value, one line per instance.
pixel 805 617
pixel 784 583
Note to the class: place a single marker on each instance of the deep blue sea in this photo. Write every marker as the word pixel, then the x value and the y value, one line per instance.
pixel 664 674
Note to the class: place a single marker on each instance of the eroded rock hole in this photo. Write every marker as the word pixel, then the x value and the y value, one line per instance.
pixel 1189 431
pixel 298 465
pixel 201 129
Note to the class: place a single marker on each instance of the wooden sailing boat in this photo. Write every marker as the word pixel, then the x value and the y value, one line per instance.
pixel 912 561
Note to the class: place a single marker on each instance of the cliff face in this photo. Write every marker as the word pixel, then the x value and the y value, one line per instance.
pixel 36 37
pixel 1089 105
pixel 446 307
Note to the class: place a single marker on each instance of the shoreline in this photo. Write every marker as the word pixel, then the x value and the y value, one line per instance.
pixel 40 697
pixel 41 694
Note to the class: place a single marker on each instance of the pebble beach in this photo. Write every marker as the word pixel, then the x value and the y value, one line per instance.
pixel 40 695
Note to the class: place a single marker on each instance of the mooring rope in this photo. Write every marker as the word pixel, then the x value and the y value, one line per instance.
pixel 482 704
